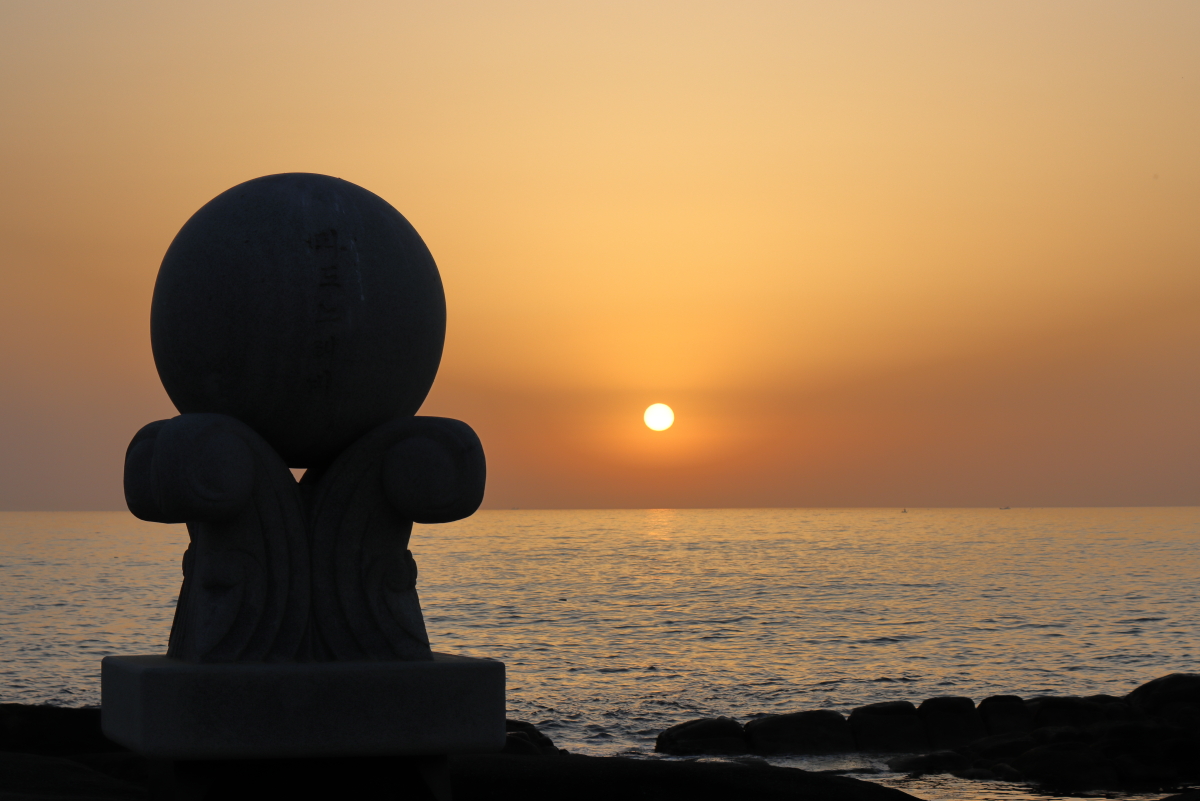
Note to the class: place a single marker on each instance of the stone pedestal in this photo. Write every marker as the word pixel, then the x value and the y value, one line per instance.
pixel 165 708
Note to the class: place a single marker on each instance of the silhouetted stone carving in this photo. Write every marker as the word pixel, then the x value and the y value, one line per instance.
pixel 304 306
pixel 298 320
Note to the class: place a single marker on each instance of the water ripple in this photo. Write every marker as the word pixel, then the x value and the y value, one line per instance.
pixel 617 624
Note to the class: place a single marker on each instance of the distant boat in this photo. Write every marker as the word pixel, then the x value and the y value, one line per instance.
pixel 1005 507
pixel 904 510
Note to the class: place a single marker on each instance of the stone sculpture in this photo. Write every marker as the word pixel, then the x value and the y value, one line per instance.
pixel 298 322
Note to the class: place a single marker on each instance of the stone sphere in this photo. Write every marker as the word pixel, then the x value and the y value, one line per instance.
pixel 304 306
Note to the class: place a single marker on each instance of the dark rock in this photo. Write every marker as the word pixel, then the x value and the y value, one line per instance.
pixel 519 743
pixel 704 736
pixel 303 779
pixel 1065 711
pixel 820 731
pixel 1140 766
pixel 991 771
pixel 1066 765
pixel 43 729
pixel 533 735
pixel 1005 714
pixel 1060 734
pixel 36 776
pixel 1175 697
pixel 950 721
pixel 1185 755
pixel 892 726
pixel 1149 753
pixel 1002 746
pixel 1113 746
pixel 124 765
pixel 1115 709
pixel 1105 700
pixel 496 777
pixel 1007 773
pixel 935 762
pixel 1145 731
pixel 491 777
pixel 748 760
pixel 743 761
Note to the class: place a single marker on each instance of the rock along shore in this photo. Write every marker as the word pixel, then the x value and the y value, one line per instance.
pixel 55 754
pixel 1147 741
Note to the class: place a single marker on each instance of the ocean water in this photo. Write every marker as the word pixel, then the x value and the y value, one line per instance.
pixel 614 625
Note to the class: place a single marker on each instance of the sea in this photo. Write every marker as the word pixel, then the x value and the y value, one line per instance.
pixel 616 624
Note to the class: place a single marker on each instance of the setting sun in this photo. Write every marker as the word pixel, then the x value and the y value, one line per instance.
pixel 659 416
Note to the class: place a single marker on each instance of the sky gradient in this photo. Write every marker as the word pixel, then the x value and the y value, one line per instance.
pixel 872 254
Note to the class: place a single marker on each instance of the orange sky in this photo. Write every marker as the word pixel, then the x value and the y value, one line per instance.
pixel 872 253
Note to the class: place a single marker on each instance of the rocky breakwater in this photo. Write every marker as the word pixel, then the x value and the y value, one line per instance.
pixel 1148 740
pixel 54 754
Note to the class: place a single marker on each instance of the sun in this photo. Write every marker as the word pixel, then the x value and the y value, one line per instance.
pixel 659 416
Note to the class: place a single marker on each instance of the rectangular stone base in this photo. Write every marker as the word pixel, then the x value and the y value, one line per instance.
pixel 165 708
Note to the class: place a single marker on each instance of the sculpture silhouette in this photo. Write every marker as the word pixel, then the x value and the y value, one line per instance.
pixel 298 321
